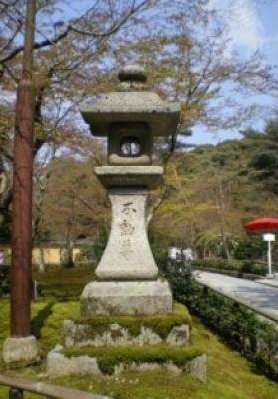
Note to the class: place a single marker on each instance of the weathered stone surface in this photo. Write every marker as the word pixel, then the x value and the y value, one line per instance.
pixel 78 335
pixel 179 335
pixel 126 298
pixel 143 367
pixel 147 107
pixel 131 176
pixel 131 104
pixel 198 367
pixel 20 349
pixel 128 255
pixel 59 365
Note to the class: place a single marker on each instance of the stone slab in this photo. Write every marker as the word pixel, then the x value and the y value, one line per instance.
pixel 24 349
pixel 133 175
pixel 59 365
pixel 79 335
pixel 128 255
pixel 126 298
pixel 162 117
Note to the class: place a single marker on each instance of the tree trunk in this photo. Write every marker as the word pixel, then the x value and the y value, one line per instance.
pixel 42 260
pixel 22 187
pixel 221 206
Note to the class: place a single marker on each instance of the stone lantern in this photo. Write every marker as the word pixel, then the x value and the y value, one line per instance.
pixel 127 276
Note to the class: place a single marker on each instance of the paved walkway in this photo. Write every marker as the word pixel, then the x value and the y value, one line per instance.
pixel 257 295
pixel 268 281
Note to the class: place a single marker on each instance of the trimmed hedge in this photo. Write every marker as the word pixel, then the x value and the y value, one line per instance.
pixel 64 283
pixel 238 326
pixel 242 266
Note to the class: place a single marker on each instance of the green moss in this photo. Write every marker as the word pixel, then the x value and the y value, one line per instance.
pixel 108 357
pixel 48 318
pixel 63 283
pixel 230 375
pixel 160 324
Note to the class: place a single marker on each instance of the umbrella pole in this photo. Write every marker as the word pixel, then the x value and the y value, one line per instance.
pixel 269 259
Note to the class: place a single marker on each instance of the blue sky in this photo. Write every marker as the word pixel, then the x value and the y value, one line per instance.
pixel 252 25
pixel 269 20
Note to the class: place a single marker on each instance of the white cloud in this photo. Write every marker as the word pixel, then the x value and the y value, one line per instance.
pixel 242 21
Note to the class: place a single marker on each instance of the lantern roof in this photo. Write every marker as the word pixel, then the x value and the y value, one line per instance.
pixel 133 103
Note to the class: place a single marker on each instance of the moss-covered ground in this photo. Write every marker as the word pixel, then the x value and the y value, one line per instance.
pixel 63 282
pixel 230 375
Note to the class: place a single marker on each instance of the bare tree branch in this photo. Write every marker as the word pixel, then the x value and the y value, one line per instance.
pixel 71 28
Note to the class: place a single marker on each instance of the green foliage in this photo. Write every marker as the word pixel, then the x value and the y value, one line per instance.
pixel 160 324
pixel 159 250
pixel 217 263
pixel 268 345
pixel 239 327
pixel 47 320
pixel 264 158
pixel 64 283
pixel 5 280
pixel 100 244
pixel 265 162
pixel 239 266
pixel 249 248
pixel 210 192
pixel 108 357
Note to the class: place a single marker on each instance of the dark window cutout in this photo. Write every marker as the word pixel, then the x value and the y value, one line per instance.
pixel 130 147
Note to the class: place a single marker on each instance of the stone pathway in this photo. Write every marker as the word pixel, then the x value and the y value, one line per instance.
pixel 257 295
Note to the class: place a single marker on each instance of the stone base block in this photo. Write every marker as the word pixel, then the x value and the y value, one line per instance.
pixel 79 335
pixel 20 350
pixel 170 329
pixel 126 298
pixel 61 365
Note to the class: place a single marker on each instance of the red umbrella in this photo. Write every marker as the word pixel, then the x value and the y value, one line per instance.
pixel 264 223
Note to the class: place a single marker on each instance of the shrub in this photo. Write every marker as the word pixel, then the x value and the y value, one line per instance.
pixel 100 244
pixel 240 266
pixel 160 252
pixel 239 326
pixel 249 248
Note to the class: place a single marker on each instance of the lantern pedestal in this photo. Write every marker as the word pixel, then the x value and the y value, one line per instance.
pixel 128 298
pixel 127 274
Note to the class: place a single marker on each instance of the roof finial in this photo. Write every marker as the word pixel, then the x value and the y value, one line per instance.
pixel 132 78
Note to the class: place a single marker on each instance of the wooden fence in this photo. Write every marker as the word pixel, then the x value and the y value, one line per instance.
pixel 17 387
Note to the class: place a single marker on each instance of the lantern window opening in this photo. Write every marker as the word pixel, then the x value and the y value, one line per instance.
pixel 130 146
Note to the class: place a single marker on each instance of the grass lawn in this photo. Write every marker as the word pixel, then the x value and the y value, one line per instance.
pixel 230 375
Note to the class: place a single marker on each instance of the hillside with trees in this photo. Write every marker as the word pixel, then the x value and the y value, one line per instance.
pixel 211 191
